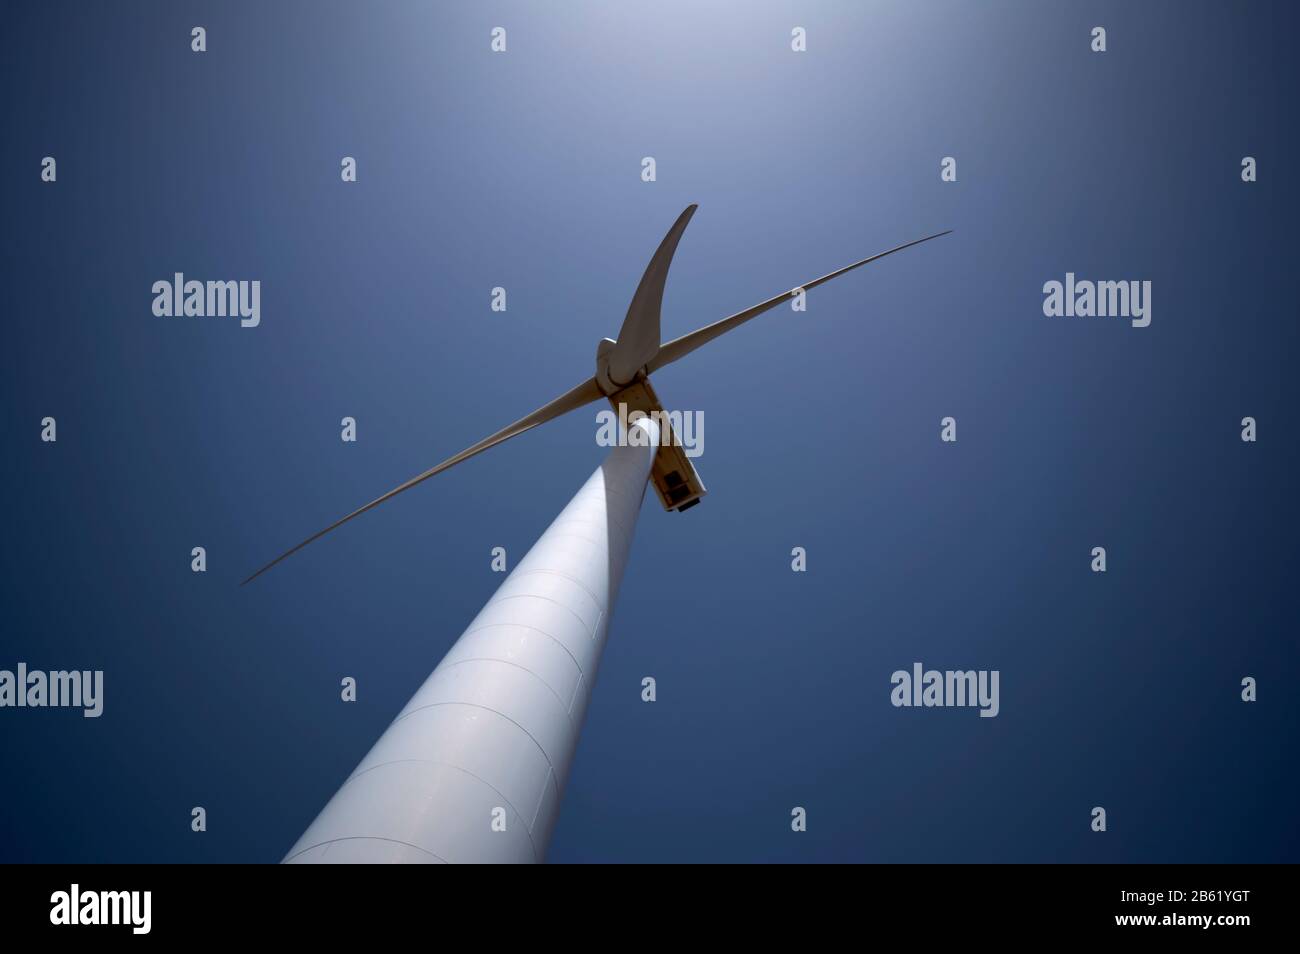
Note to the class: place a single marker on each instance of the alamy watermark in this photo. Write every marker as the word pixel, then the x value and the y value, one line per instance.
pixel 36 689
pixel 194 299
pixel 75 906
pixel 1088 299
pixel 684 429
pixel 953 687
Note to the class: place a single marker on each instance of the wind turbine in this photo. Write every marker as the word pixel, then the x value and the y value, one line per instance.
pixel 473 768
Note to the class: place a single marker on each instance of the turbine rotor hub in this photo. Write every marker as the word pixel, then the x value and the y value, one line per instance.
pixel 604 379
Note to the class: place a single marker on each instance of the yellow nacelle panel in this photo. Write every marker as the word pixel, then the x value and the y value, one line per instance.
pixel 672 474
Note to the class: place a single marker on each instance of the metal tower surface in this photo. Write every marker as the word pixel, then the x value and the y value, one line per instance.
pixel 472 769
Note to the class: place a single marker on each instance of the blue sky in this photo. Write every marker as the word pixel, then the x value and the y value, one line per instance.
pixel 522 170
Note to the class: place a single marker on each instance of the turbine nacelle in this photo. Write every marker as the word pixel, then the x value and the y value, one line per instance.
pixel 672 474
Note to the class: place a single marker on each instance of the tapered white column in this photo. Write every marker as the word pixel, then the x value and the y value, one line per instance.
pixel 473 769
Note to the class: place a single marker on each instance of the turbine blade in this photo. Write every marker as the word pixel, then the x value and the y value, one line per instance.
pixel 583 394
pixel 681 347
pixel 638 339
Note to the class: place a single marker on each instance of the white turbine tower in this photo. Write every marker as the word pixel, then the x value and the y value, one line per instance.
pixel 473 768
